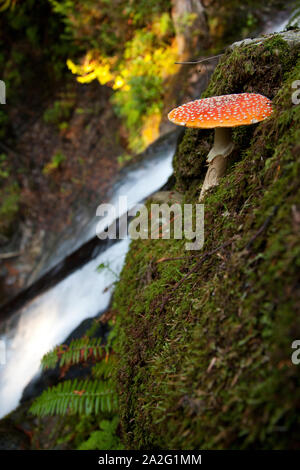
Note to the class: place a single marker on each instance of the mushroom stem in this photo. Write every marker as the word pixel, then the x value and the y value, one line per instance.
pixel 216 158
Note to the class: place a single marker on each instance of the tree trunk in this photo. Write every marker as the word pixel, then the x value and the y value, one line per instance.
pixel 191 26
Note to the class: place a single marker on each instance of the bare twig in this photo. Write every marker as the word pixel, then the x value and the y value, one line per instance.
pixel 9 255
pixel 261 229
pixel 162 260
pixel 207 59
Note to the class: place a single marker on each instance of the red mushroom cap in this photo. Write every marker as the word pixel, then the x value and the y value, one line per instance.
pixel 223 111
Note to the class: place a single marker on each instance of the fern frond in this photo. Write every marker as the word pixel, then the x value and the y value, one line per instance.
pixel 104 368
pixel 79 350
pixel 82 397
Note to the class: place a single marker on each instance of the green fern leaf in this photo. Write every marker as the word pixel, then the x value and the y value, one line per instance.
pixel 76 397
pixel 79 350
pixel 104 369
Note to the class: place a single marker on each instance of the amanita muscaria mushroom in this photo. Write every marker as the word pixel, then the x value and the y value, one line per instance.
pixel 221 113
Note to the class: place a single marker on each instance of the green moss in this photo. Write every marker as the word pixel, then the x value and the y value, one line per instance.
pixel 9 206
pixel 189 159
pixel 212 368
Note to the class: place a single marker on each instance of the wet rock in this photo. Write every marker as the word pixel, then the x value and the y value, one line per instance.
pixel 12 438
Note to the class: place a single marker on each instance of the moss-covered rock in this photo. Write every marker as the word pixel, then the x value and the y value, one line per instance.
pixel 206 363
pixel 253 68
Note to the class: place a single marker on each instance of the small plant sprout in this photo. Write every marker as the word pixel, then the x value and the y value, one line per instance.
pixel 221 113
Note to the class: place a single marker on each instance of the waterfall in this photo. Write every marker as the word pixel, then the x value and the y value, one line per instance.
pixel 49 318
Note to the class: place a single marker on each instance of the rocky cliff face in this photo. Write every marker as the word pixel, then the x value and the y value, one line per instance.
pixel 205 342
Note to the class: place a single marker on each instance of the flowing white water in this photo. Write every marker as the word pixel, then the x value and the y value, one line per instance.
pixel 138 183
pixel 277 27
pixel 279 24
pixel 50 318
